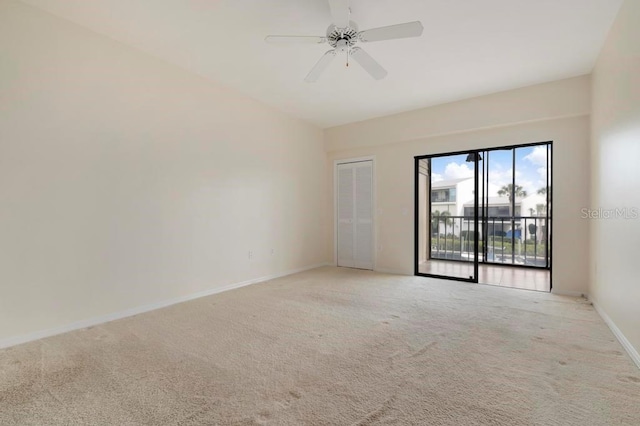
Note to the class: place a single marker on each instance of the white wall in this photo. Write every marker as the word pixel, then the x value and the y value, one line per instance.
pixel 563 98
pixel 555 111
pixel 126 181
pixel 465 193
pixel 615 177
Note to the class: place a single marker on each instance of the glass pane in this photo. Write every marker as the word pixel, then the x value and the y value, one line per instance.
pixel 532 207
pixel 497 205
pixel 516 206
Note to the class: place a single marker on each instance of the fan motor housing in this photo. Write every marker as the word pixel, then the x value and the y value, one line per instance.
pixel 348 35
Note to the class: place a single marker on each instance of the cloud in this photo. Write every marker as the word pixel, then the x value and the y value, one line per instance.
pixel 528 186
pixel 538 156
pixel 542 177
pixel 493 189
pixel 500 176
pixel 457 171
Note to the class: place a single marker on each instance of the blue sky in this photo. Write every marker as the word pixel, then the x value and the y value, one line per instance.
pixel 530 168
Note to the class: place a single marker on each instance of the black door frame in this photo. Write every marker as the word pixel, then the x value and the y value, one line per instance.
pixel 476 266
pixel 549 196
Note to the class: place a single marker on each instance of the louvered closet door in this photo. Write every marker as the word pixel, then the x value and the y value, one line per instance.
pixel 355 215
pixel 346 232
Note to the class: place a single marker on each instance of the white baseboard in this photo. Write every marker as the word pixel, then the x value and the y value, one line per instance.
pixel 390 271
pixel 569 293
pixel 17 340
pixel 633 353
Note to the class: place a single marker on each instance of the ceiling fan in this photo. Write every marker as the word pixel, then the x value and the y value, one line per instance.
pixel 343 35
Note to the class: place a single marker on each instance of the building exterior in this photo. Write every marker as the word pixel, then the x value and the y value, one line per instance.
pixel 452 211
pixel 450 195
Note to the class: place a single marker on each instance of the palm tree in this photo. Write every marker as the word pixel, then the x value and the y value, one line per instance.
pixel 515 191
pixel 507 190
pixel 545 191
pixel 438 217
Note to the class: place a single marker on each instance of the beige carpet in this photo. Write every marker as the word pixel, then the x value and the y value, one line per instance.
pixel 333 347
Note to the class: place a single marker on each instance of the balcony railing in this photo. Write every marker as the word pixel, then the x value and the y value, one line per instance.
pixel 518 240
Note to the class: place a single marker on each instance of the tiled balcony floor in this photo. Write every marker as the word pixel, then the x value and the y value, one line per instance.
pixel 504 276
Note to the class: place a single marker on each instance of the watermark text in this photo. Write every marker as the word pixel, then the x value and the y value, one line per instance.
pixel 615 213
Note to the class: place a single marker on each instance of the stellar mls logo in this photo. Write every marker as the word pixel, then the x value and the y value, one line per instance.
pixel 617 213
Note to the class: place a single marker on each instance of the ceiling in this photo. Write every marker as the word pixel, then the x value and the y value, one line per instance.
pixel 469 48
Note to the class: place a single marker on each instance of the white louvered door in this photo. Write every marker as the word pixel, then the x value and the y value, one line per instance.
pixel 346 231
pixel 355 214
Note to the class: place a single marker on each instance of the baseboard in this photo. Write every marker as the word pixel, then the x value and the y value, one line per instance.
pixel 17 340
pixel 569 293
pixel 390 271
pixel 626 344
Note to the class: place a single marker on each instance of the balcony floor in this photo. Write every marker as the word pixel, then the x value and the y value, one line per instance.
pixel 503 276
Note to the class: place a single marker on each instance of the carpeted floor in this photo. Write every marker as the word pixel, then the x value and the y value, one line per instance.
pixel 333 347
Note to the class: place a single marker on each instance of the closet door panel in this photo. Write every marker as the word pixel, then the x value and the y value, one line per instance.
pixel 345 215
pixel 363 203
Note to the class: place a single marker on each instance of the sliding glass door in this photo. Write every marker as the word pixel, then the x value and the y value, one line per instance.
pixel 481 209
pixel 447 242
pixel 516 206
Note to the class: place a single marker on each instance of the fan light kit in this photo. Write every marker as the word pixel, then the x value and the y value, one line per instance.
pixel 343 35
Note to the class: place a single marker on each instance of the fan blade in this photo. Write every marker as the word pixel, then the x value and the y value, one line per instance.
pixel 319 68
pixel 279 39
pixel 410 29
pixel 340 12
pixel 368 63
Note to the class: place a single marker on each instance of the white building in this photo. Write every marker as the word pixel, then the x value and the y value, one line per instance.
pixel 455 198
pixel 450 195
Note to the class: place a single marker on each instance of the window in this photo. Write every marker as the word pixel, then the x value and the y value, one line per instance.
pixel 493 211
pixel 443 195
